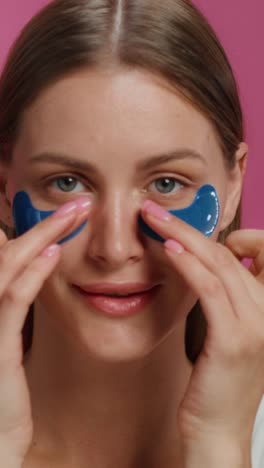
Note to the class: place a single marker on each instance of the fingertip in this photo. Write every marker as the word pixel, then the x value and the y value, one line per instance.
pixel 51 251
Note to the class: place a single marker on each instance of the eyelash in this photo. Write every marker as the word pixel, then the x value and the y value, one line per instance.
pixel 77 178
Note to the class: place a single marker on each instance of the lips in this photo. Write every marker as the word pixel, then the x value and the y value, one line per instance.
pixel 138 298
pixel 116 288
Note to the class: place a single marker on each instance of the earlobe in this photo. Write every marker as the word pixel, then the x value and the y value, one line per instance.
pixel 235 186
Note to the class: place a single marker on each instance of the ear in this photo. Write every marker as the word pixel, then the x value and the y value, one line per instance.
pixel 6 216
pixel 235 185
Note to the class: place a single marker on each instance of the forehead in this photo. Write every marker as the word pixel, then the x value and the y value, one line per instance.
pixel 115 111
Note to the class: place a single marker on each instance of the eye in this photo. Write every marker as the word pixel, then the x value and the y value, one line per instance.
pixel 66 183
pixel 165 185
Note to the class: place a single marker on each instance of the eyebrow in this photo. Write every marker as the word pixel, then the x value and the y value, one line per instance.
pixel 146 164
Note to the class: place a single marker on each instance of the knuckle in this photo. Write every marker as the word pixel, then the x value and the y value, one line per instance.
pixel 233 351
pixel 14 295
pixel 246 347
pixel 6 254
pixel 212 287
pixel 247 344
pixel 222 256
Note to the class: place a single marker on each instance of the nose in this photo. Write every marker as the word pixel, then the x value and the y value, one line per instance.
pixel 115 237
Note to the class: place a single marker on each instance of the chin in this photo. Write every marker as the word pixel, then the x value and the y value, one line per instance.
pixel 117 342
pixel 105 338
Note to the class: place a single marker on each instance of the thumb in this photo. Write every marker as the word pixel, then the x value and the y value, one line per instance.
pixel 248 243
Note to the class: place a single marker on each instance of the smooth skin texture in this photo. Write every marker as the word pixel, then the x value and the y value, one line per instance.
pixel 36 256
pixel 232 358
pixel 122 380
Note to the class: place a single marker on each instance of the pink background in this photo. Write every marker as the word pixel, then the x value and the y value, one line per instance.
pixel 239 25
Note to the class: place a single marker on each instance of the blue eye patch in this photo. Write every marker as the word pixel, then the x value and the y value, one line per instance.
pixel 26 216
pixel 202 214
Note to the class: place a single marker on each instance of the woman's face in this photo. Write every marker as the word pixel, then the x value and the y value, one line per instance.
pixel 114 122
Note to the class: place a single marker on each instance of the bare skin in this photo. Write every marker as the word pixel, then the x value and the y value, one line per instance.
pixel 105 392
pixel 26 263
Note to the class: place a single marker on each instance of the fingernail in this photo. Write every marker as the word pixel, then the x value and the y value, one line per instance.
pixel 83 203
pixel 50 251
pixel 155 210
pixel 174 246
pixel 78 205
pixel 65 209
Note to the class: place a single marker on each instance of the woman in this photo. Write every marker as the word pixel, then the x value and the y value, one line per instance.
pixel 118 100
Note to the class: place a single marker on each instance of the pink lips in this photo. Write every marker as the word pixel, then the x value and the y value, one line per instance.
pixel 99 297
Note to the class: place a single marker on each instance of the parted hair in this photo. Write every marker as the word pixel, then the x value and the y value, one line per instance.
pixel 171 38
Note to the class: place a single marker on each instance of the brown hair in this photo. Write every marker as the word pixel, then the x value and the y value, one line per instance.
pixel 170 38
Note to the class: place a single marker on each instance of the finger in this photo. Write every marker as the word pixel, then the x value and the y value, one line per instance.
pixel 26 247
pixel 214 256
pixel 248 243
pixel 215 303
pixel 253 276
pixel 216 259
pixel 223 320
pixel 18 297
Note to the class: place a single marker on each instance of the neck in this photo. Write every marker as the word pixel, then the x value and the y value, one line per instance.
pixel 114 414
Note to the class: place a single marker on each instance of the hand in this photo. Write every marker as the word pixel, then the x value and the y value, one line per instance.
pixel 227 382
pixel 24 266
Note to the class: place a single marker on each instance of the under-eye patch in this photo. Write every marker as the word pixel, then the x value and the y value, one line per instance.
pixel 26 216
pixel 202 214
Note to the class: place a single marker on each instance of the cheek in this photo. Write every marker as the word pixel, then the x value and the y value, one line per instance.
pixel 73 266
pixel 175 303
pixel 222 218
